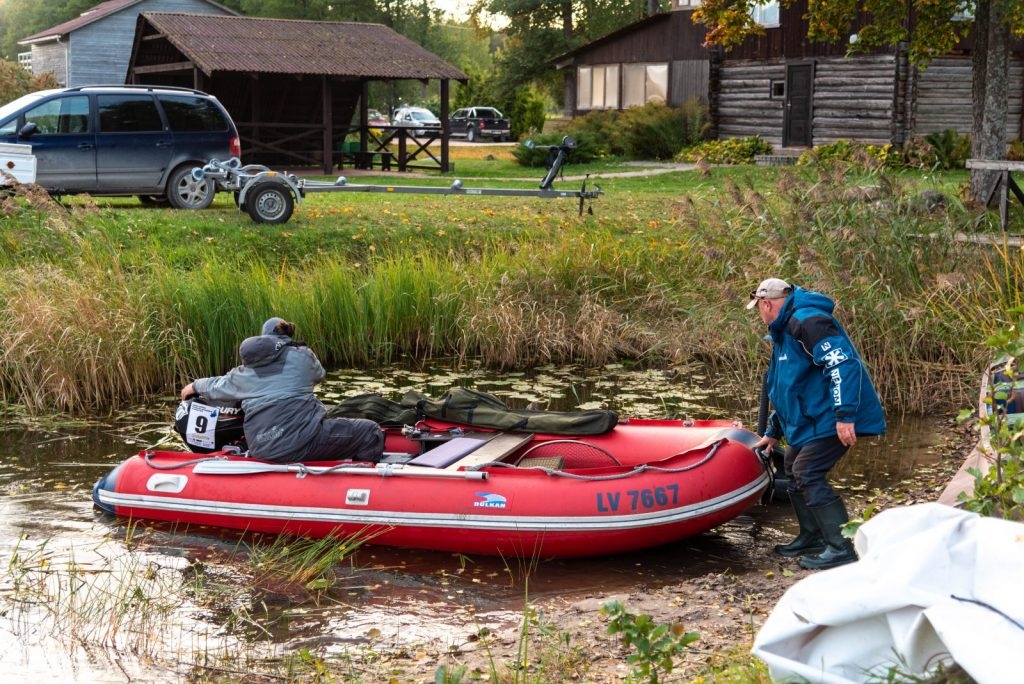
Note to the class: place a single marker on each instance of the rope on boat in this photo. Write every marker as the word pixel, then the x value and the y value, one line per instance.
pixel 180 464
pixel 637 470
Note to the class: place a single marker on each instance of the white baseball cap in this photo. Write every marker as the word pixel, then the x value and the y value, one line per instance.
pixel 772 288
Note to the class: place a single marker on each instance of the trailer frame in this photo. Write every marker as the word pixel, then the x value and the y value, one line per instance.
pixel 271 196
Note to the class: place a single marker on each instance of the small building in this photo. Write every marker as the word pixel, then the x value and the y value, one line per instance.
pixel 296 89
pixel 93 48
pixel 786 89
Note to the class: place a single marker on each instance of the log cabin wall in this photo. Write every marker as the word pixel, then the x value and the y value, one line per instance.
pixel 744 105
pixel 942 97
pixel 855 99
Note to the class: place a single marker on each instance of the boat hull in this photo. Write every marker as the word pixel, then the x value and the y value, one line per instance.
pixel 690 483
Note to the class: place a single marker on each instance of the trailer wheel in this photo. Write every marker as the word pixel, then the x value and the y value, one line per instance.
pixel 270 202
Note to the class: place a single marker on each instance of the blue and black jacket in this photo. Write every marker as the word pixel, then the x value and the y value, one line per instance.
pixel 816 377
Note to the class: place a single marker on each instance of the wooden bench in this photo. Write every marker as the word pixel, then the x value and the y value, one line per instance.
pixel 1004 183
pixel 496 448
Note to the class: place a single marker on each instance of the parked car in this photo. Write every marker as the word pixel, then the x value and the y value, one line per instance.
pixel 375 118
pixel 421 121
pixel 123 140
pixel 473 123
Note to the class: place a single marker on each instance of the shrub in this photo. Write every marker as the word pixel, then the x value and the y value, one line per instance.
pixel 1015 150
pixel 869 156
pixel 656 131
pixel 919 154
pixel 952 150
pixel 732 151
pixel 602 129
pixel 527 114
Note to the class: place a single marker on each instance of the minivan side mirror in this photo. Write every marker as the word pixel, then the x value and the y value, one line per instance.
pixel 28 130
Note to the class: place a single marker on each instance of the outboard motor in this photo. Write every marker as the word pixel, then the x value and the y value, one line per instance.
pixel 208 426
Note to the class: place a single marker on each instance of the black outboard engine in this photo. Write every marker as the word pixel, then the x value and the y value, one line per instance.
pixel 209 426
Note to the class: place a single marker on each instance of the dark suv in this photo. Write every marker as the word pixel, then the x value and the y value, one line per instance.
pixel 479 122
pixel 123 140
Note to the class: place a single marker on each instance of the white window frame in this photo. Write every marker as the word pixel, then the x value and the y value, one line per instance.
pixel 597 86
pixel 766 13
pixel 654 87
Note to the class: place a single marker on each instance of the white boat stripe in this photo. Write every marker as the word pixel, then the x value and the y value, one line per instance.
pixel 355 516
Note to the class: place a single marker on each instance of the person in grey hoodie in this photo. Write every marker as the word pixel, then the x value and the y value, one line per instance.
pixel 284 421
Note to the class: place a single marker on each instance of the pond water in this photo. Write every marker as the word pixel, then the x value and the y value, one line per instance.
pixel 86 598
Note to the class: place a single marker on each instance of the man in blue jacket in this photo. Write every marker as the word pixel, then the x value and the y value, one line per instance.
pixel 823 399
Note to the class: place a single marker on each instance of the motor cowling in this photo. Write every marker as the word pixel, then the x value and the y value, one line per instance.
pixel 209 426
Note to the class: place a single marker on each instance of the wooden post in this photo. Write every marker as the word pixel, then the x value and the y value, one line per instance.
pixel 444 125
pixel 328 121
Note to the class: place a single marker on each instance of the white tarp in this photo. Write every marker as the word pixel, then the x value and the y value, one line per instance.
pixel 933 585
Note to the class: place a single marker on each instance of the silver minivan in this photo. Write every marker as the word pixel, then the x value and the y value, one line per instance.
pixel 123 140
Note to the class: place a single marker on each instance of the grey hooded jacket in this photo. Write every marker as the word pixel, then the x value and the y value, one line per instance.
pixel 275 387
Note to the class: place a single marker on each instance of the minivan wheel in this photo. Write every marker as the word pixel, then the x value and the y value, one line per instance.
pixel 185 192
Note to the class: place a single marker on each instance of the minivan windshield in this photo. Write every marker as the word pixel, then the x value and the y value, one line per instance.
pixel 14 106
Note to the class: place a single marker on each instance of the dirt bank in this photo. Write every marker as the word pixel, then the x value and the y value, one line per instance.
pixel 725 606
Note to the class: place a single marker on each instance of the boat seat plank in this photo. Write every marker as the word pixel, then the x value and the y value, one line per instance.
pixel 497 447
pixel 449 452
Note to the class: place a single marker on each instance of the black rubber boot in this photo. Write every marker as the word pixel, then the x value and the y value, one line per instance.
pixel 809 541
pixel 838 550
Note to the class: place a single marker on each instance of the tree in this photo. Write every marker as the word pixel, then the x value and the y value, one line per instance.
pixel 927 27
pixel 540 30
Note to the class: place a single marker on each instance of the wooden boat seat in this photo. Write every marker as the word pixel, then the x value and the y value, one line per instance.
pixel 449 452
pixel 496 448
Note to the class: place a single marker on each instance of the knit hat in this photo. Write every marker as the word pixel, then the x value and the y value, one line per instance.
pixel 271 326
pixel 772 288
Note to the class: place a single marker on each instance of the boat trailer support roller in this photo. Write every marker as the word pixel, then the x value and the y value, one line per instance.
pixel 270 196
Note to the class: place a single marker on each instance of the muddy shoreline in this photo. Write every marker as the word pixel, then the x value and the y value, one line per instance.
pixel 726 605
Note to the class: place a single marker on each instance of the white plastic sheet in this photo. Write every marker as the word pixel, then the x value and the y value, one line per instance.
pixel 934 585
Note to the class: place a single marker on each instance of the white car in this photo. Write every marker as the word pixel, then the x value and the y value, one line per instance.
pixel 421 121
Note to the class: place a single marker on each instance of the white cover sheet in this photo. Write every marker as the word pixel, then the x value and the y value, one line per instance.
pixel 933 585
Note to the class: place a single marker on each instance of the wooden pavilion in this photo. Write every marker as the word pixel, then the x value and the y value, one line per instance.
pixel 296 89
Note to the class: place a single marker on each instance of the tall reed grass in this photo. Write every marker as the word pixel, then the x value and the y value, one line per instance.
pixel 660 280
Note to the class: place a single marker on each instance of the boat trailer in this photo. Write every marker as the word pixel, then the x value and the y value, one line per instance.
pixel 270 196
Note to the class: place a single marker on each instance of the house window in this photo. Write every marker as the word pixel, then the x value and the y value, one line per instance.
pixel 643 83
pixel 778 91
pixel 25 60
pixel 598 87
pixel 766 13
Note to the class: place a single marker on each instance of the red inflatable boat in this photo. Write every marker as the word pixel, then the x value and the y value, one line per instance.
pixel 452 488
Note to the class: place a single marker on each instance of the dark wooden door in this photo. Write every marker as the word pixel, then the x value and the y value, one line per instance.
pixel 796 122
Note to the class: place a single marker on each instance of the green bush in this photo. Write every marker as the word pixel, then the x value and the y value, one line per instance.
pixel 602 129
pixel 527 113
pixel 732 151
pixel 952 150
pixel 868 156
pixel 1015 150
pixel 656 131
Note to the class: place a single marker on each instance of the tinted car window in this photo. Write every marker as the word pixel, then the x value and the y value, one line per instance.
pixel 187 113
pixel 60 115
pixel 487 113
pixel 128 113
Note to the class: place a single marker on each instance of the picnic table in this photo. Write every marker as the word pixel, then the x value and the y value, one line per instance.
pixel 1004 183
